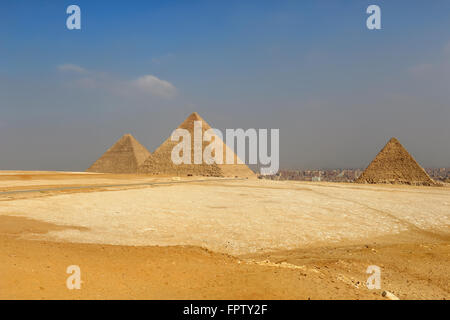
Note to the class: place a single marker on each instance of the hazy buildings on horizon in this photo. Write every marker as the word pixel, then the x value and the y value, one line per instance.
pixel 343 175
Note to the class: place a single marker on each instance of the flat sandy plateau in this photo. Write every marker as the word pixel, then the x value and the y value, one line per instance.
pixel 141 237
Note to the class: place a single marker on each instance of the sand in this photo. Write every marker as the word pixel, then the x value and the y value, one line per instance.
pixel 240 239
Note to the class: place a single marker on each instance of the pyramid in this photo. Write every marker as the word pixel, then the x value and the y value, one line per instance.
pixel 395 165
pixel 161 162
pixel 125 156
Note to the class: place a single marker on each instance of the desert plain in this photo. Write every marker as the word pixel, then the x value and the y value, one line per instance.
pixel 146 237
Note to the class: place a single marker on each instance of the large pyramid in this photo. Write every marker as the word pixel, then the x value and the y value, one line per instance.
pixel 395 165
pixel 125 156
pixel 161 162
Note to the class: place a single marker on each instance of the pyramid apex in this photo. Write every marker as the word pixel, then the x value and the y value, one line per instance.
pixel 126 136
pixel 394 139
pixel 195 116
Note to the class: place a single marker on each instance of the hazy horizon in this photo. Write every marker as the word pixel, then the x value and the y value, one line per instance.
pixel 336 90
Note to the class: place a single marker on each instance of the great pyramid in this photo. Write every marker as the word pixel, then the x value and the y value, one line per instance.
pixel 125 156
pixel 395 165
pixel 161 162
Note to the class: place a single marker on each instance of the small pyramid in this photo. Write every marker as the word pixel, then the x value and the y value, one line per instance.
pixel 125 156
pixel 161 162
pixel 395 165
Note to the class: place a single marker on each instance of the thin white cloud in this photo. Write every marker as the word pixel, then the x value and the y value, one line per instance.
pixel 72 68
pixel 155 86
pixel 148 85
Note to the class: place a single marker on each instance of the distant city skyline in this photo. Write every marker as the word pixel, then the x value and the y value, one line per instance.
pixel 336 90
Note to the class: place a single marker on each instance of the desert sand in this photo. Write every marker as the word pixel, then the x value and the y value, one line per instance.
pixel 219 238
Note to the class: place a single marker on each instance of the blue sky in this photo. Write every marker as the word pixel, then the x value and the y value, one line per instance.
pixel 336 90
